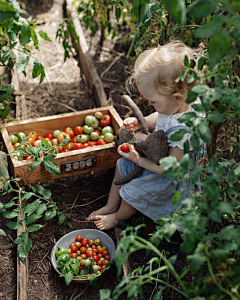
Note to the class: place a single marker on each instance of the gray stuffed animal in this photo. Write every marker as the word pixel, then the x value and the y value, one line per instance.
pixel 153 145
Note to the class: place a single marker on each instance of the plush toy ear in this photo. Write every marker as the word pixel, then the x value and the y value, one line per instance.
pixel 140 145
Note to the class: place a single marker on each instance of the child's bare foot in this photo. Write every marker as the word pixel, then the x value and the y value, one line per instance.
pixel 106 222
pixel 105 210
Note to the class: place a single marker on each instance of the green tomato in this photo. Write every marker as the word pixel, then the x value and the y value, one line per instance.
pixel 82 138
pixel 60 251
pixel 37 143
pixel 87 262
pixel 87 129
pixel 95 123
pixel 98 115
pixel 108 137
pixel 55 141
pixel 13 138
pixel 101 137
pixel 89 119
pixel 63 260
pixel 94 136
pixel 95 268
pixel 21 136
pixel 56 132
pixel 107 129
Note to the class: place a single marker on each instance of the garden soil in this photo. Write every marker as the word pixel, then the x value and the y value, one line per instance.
pixel 64 90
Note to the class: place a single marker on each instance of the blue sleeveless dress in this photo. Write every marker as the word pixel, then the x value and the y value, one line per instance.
pixel 151 193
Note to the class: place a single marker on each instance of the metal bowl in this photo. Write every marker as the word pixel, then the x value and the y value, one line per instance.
pixel 93 234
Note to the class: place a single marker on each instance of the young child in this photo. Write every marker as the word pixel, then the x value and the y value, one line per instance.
pixel 155 72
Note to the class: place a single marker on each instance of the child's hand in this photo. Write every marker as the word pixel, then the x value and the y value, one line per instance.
pixel 132 155
pixel 131 124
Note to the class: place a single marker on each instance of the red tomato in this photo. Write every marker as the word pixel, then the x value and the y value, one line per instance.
pixel 100 263
pixel 103 267
pixel 84 242
pixel 91 242
pixel 68 146
pixel 28 157
pixel 33 134
pixel 49 135
pixel 95 258
pixel 83 255
pixel 39 137
pixel 15 145
pixel 69 131
pixel 86 145
pixel 99 132
pixel 101 142
pixel 71 245
pixel 106 262
pixel 89 253
pixel 73 255
pixel 74 249
pixel 77 146
pixel 125 148
pixel 74 139
pixel 83 249
pixel 104 253
pixel 92 143
pixel 31 141
pixel 100 255
pixel 107 257
pixel 105 121
pixel 65 150
pixel 78 130
pixel 78 238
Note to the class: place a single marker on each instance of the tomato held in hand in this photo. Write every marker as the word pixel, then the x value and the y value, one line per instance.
pixel 125 148
pixel 105 121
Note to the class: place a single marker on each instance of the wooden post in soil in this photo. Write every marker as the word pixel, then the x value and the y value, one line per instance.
pixel 126 266
pixel 86 62
pixel 22 267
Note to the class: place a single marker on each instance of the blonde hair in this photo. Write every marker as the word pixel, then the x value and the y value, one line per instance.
pixel 161 66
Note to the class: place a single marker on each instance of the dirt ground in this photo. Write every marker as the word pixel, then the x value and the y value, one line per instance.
pixel 63 91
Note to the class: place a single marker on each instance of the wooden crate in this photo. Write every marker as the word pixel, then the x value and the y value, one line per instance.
pixel 70 163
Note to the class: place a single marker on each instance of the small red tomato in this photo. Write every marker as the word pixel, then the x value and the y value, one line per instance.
pixel 84 242
pixel 86 145
pixel 39 137
pixel 78 238
pixel 89 253
pixel 65 150
pixel 105 121
pixel 68 146
pixel 15 145
pixel 49 135
pixel 100 255
pixel 31 141
pixel 82 262
pixel 94 250
pixel 29 157
pixel 101 142
pixel 83 249
pixel 74 249
pixel 103 267
pixel 100 263
pixel 73 255
pixel 78 130
pixel 91 242
pixel 77 146
pixel 106 262
pixel 107 257
pixel 83 255
pixel 71 245
pixel 99 268
pixel 95 258
pixel 74 139
pixel 125 148
pixel 78 244
pixel 92 143
pixel 104 253
pixel 99 132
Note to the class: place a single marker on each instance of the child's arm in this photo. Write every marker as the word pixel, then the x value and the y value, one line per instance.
pixel 132 122
pixel 148 164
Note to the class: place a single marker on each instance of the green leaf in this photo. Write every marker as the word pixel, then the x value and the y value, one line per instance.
pixel 168 162
pixel 199 108
pixel 34 37
pixel 22 63
pixel 27 196
pixel 177 9
pixel 196 260
pixel 14 225
pixel 4 5
pixel 31 207
pixel 5 111
pixel 62 219
pixel 176 197
pixel 44 192
pixel 32 218
pixel 210 28
pixel 2 233
pixel 6 16
pixel 178 135
pixel 195 142
pixel 24 245
pixel 237 170
pixel 38 69
pixel 202 8
pixel 25 35
pixel 105 294
pixel 117 13
pixel 68 278
pixel 49 214
pixel 218 46
pixel 216 116
pixel 35 164
pixel 200 88
pixel 34 228
pixel 10 215
pixel 44 36
pixel 49 157
pixel 203 131
pixel 6 56
pixel 52 168
pixel 9 204
pixel 40 210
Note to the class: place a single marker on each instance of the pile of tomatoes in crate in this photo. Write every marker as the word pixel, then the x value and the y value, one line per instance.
pixel 84 257
pixel 96 130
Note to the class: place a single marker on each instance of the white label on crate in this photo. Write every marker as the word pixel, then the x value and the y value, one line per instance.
pixel 80 164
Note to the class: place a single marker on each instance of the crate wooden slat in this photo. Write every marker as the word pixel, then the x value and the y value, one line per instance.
pixel 105 155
